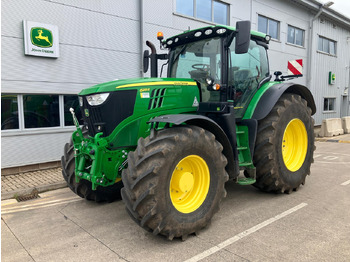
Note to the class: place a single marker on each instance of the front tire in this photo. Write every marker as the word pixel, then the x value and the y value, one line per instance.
pixel 84 187
pixel 285 145
pixel 175 180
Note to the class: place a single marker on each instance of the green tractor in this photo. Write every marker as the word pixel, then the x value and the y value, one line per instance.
pixel 168 145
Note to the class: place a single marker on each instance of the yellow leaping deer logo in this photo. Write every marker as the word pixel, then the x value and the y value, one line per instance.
pixel 41 37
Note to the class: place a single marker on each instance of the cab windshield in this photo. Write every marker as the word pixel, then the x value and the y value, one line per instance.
pixel 198 60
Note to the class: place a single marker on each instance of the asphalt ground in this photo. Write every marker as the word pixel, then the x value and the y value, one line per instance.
pixel 312 224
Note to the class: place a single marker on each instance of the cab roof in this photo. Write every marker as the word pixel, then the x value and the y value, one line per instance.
pixel 208 32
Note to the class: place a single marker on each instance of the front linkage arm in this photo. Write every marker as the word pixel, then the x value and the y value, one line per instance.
pixel 94 161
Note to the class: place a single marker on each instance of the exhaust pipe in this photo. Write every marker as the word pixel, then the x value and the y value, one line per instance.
pixel 154 59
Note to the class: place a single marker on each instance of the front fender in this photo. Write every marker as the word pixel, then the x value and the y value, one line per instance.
pixel 207 124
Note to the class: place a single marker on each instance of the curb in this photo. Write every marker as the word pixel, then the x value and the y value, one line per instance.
pixel 26 191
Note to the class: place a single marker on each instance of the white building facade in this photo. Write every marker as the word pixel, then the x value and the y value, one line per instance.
pixel 100 41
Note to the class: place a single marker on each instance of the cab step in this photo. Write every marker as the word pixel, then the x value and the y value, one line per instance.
pixel 246 164
pixel 244 181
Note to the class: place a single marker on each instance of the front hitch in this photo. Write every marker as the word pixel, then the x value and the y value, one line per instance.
pixel 94 161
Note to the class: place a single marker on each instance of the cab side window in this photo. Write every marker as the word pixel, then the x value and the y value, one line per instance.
pixel 246 71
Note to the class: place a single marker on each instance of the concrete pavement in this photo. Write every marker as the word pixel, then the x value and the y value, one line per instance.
pixel 309 225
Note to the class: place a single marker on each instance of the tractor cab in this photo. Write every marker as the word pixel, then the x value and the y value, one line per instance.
pixel 222 71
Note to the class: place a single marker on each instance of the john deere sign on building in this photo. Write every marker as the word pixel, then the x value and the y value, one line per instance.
pixel 40 39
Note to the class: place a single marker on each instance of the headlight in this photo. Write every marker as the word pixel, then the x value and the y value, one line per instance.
pixel 80 101
pixel 98 99
pixel 210 81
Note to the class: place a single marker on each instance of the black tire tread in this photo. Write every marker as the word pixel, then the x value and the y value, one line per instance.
pixel 267 177
pixel 141 179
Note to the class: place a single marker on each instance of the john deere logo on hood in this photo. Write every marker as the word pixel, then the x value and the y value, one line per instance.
pixel 41 37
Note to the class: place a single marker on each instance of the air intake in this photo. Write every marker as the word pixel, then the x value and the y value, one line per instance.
pixel 157 97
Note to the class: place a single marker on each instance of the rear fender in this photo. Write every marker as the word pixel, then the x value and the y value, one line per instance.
pixel 271 96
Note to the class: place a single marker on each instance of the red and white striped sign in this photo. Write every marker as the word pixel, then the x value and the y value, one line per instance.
pixel 295 67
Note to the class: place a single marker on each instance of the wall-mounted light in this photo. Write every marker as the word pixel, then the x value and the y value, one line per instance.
pixel 328 4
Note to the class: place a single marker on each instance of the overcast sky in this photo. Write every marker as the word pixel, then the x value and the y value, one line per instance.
pixel 341 6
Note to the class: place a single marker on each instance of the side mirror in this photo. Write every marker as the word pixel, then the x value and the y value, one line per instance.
pixel 278 74
pixel 145 61
pixel 242 37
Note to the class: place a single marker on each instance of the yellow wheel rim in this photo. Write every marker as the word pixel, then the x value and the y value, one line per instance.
pixel 294 145
pixel 189 184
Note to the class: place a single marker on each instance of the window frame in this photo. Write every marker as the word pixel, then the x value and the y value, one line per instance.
pixel 37 130
pixel 329 46
pixel 334 105
pixel 268 27
pixel 212 12
pixel 296 28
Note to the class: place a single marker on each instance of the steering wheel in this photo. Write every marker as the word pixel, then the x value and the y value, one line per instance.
pixel 203 67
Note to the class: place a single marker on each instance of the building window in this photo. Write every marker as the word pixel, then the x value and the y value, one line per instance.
pixel 295 36
pixel 268 26
pixel 185 7
pixel 326 45
pixel 203 8
pixel 71 101
pixel 38 111
pixel 220 13
pixel 210 10
pixel 41 111
pixel 9 112
pixel 329 104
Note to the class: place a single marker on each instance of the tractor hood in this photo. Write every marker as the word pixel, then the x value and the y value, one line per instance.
pixel 136 83
pixel 133 99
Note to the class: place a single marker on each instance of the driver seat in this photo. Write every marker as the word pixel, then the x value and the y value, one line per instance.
pixel 241 76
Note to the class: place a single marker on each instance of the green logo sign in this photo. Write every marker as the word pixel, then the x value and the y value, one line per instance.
pixel 87 112
pixel 41 37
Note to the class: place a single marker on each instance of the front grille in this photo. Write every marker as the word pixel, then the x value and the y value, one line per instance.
pixel 104 118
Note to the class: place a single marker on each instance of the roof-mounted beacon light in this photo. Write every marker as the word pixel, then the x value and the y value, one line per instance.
pixel 160 37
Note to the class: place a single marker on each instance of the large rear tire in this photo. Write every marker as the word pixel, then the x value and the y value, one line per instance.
pixel 175 180
pixel 84 187
pixel 285 145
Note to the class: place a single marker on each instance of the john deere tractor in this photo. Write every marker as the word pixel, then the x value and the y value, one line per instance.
pixel 168 145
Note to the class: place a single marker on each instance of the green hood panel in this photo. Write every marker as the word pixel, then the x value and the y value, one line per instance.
pixel 136 83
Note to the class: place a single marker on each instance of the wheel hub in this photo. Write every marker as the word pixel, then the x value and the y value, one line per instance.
pixel 183 181
pixel 189 184
pixel 294 145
